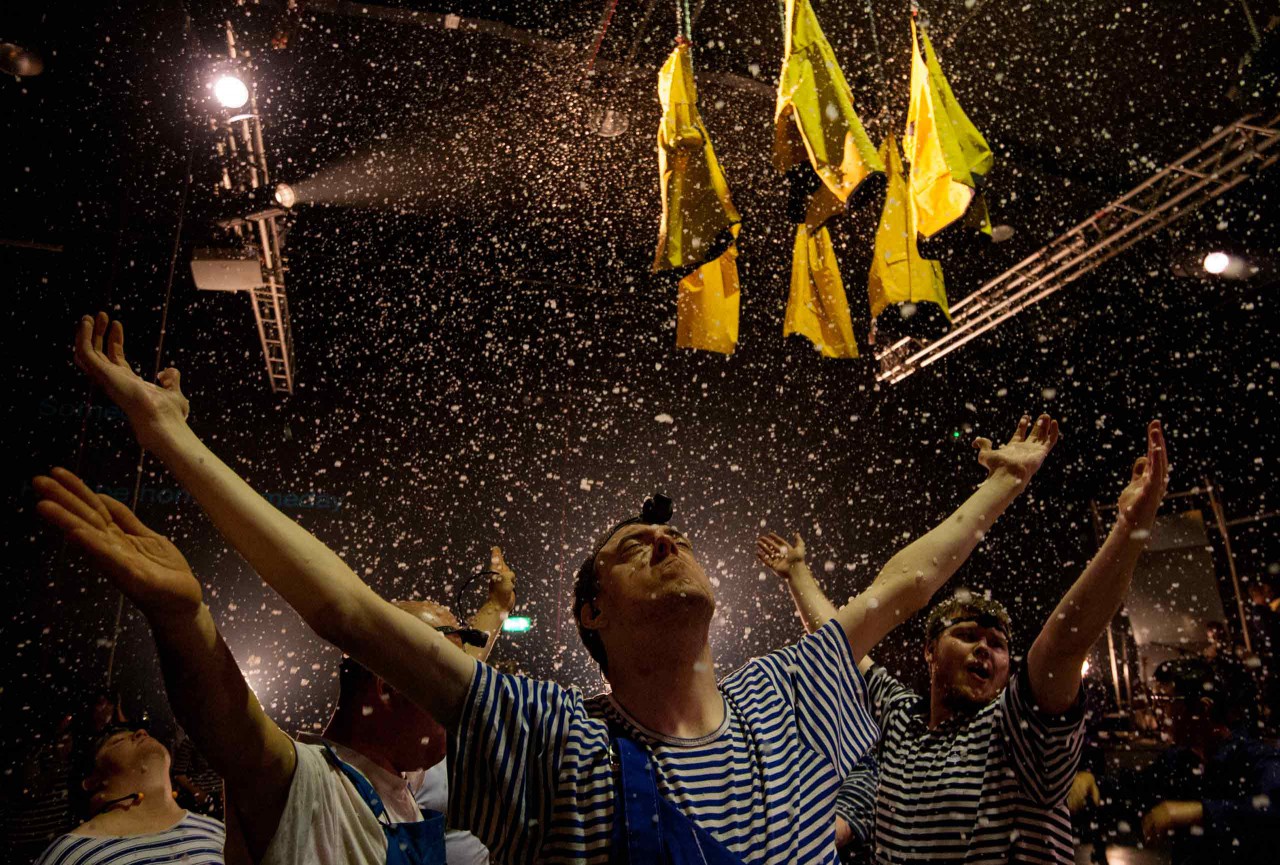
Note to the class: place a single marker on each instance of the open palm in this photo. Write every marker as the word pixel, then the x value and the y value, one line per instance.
pixel 143 564
pixel 1025 452
pixel 502 580
pixel 100 353
pixel 779 555
pixel 1141 499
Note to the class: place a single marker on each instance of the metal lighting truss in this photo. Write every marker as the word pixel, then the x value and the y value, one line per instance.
pixel 1221 163
pixel 244 170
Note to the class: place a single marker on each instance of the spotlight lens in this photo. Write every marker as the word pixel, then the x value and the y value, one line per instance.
pixel 1216 262
pixel 285 196
pixel 230 92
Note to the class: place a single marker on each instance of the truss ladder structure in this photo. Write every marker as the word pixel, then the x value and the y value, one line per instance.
pixel 244 173
pixel 1224 161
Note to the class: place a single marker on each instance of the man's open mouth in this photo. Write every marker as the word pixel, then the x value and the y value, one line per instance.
pixel 979 669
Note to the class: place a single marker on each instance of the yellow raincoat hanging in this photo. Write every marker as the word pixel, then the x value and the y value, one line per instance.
pixel 908 286
pixel 699 222
pixel 945 150
pixel 814 119
pixel 815 122
pixel 817 306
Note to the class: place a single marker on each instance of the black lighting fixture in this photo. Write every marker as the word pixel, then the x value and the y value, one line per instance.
pixel 20 61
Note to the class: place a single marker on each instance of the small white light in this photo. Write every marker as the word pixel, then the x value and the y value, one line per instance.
pixel 230 92
pixel 285 196
pixel 1084 668
pixel 1216 262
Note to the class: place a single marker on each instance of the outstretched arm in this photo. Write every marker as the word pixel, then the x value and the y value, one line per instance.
pixel 910 578
pixel 1055 658
pixel 787 561
pixel 417 660
pixel 206 690
pixel 500 603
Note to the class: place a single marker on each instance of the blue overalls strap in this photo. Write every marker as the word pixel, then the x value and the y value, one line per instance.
pixel 649 830
pixel 641 822
pixel 420 843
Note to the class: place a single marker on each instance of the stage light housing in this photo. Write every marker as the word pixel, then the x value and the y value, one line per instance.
pixel 230 92
pixel 20 61
pixel 1217 262
pixel 611 123
pixel 285 196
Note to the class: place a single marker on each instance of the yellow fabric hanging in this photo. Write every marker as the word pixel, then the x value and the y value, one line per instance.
pixel 699 222
pixel 944 148
pixel 817 307
pixel 898 272
pixel 707 305
pixel 815 120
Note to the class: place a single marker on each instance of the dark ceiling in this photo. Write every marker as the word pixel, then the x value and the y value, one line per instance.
pixel 483 356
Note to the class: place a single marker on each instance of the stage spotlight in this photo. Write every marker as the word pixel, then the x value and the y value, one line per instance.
pixel 230 92
pixel 1217 262
pixel 285 196
pixel 19 61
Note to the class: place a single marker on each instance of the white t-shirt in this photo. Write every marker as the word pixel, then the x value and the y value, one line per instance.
pixel 431 789
pixel 325 822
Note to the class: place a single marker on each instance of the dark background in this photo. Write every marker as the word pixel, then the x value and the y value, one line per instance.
pixel 483 356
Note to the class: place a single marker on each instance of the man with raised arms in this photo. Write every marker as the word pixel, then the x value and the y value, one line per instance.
pixel 979 772
pixel 336 799
pixel 743 770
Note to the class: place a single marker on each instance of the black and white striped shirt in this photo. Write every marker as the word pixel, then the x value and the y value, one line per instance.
pixel 984 788
pixel 532 776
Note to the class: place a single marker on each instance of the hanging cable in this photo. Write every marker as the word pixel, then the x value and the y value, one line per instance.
pixel 164 323
pixel 605 20
pixel 684 21
pixel 1253 23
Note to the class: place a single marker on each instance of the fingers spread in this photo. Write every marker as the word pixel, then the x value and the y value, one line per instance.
pixel 100 324
pixel 60 518
pixel 125 518
pixel 55 491
pixel 72 482
pixel 1020 434
pixel 1053 433
pixel 115 345
pixel 982 444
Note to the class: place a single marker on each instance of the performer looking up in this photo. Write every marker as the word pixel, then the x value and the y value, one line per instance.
pixel 979 772
pixel 336 799
pixel 744 770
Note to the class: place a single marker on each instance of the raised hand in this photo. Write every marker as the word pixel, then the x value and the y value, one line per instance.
pixel 149 407
pixel 1024 453
pixel 777 555
pixel 141 563
pixel 502 581
pixel 1141 498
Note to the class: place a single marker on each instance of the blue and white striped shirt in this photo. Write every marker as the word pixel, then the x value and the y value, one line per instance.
pixel 982 789
pixel 194 840
pixel 533 779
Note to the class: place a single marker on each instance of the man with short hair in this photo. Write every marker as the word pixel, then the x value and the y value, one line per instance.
pixel 336 799
pixel 133 813
pixel 740 770
pixel 979 771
